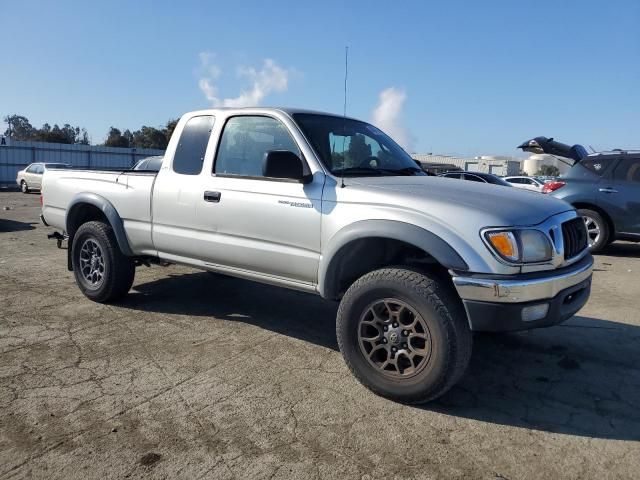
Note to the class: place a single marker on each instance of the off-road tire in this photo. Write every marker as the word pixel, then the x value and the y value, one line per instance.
pixel 441 309
pixel 119 270
pixel 605 233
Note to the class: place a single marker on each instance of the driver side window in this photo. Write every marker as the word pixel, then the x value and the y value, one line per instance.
pixel 246 140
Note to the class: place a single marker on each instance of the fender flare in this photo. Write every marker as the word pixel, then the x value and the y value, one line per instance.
pixel 109 211
pixel 423 239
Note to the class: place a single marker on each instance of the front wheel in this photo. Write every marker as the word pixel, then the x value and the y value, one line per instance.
pixel 597 229
pixel 24 187
pixel 404 334
pixel 102 272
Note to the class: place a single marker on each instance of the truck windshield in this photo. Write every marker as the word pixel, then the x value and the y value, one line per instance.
pixel 352 148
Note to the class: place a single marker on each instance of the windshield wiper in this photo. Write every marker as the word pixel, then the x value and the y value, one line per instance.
pixel 357 171
pixel 402 171
pixel 377 171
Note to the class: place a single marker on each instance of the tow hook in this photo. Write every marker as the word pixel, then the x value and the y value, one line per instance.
pixel 60 237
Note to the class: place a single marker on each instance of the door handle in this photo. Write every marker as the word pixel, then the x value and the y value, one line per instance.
pixel 212 197
pixel 608 190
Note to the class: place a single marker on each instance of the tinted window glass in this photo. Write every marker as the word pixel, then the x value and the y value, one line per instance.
pixel 154 163
pixel 39 169
pixel 473 178
pixel 32 169
pixel 244 142
pixel 453 175
pixel 193 145
pixel 351 147
pixel 628 170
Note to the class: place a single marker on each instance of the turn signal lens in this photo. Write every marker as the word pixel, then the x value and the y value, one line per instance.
pixel 505 244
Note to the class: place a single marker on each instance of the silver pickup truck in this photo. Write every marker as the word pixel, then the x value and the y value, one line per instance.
pixel 332 206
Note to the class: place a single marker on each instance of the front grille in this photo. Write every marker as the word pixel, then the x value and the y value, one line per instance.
pixel 574 235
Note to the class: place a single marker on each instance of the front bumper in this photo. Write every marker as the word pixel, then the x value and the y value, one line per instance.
pixel 498 303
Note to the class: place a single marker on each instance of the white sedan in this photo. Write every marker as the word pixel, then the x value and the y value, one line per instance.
pixel 528 183
pixel 30 177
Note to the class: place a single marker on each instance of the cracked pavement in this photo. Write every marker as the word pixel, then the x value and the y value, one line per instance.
pixel 197 375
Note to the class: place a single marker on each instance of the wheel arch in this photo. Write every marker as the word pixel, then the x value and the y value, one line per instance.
pixel 85 207
pixel 393 243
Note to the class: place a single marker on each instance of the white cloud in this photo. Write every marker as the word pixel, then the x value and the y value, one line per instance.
pixel 388 116
pixel 270 78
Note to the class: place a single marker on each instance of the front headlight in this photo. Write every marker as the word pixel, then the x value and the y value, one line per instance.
pixel 536 246
pixel 520 246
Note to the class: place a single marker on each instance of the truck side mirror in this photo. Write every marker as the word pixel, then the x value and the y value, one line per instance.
pixel 283 164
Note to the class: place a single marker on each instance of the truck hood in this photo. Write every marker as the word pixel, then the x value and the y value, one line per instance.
pixel 482 203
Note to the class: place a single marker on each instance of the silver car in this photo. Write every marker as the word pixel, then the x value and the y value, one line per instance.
pixel 333 206
pixel 30 178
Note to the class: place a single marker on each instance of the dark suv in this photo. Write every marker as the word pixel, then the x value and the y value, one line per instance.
pixel 605 188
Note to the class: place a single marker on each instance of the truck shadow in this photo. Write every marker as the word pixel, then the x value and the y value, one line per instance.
pixel 14 226
pixel 622 249
pixel 581 378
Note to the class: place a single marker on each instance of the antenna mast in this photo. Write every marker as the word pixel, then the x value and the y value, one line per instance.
pixel 344 112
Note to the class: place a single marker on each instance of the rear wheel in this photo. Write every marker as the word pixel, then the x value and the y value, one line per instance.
pixel 597 229
pixel 102 272
pixel 24 187
pixel 404 334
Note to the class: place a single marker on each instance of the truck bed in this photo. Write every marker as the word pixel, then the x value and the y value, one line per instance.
pixel 128 191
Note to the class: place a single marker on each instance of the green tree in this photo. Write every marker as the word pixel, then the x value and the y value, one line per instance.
pixel 169 128
pixel 548 171
pixel 84 137
pixel 56 134
pixel 115 138
pixel 19 128
pixel 149 137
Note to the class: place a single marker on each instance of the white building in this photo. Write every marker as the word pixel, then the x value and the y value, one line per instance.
pixel 498 165
pixel 532 164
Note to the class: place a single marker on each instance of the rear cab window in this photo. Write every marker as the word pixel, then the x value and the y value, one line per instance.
pixel 189 156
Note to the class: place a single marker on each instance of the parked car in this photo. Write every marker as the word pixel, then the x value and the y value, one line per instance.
pixel 545 179
pixel 528 183
pixel 333 206
pixel 152 164
pixel 476 177
pixel 605 188
pixel 30 178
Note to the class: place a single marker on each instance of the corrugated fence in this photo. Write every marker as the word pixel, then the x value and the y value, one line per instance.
pixel 15 155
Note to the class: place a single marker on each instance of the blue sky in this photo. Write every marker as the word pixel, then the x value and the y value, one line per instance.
pixel 467 77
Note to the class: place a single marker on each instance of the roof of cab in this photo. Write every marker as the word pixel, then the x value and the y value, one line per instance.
pixel 287 110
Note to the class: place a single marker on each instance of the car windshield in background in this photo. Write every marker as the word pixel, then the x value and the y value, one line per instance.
pixel 152 164
pixel 57 165
pixel 352 148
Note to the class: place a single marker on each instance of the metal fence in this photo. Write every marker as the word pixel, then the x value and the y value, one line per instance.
pixel 15 155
